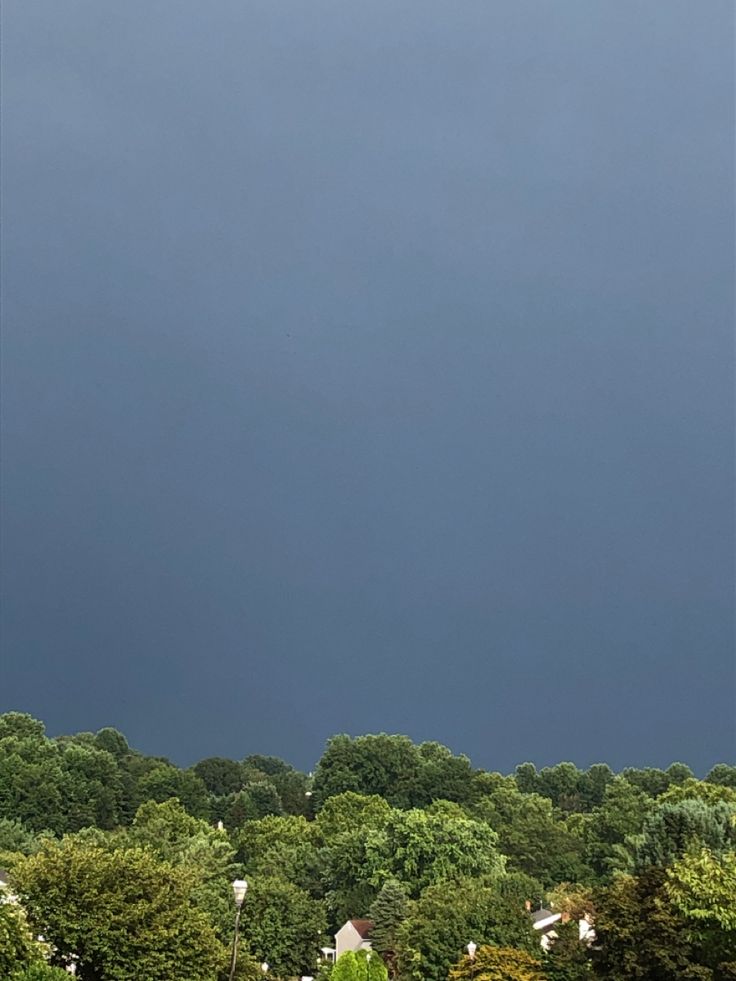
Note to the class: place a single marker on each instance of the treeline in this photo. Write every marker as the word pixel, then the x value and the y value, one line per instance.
pixel 436 852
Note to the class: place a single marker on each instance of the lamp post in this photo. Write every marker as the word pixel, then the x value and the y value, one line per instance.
pixel 471 948
pixel 240 887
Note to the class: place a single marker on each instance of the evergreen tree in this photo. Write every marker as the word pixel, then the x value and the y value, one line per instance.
pixel 388 912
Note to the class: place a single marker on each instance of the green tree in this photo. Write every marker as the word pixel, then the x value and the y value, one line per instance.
pixel 448 916
pixel 31 777
pixel 678 773
pixel 650 779
pixel 174 836
pixel 673 827
pixel 527 778
pixel 388 912
pixel 342 828
pixel 702 887
pixel 283 926
pixel 593 784
pixel 420 848
pixel 640 935
pixel 518 888
pixel 264 798
pixel 371 966
pixel 271 766
pixel 692 789
pixel 534 839
pixel 361 965
pixel 568 958
pixel 18 948
pixel 291 787
pixel 348 812
pixel 219 775
pixel 54 784
pixel 374 764
pixel 256 800
pixel 723 774
pixel 396 769
pixel 165 781
pixel 91 787
pixel 621 815
pixel 281 847
pixel 112 742
pixel 498 964
pixel 126 915
pixel 40 972
pixel 16 837
pixel 346 967
pixel 572 899
pixel 563 785
pixel 21 726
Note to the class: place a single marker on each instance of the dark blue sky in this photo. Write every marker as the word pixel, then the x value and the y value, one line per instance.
pixel 369 366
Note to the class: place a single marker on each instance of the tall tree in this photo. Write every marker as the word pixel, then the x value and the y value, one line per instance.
pixel 568 958
pixel 283 926
pixel 405 774
pixel 281 847
pixel 673 827
pixel 174 836
pixel 220 775
pixel 535 838
pixel 165 781
pixel 639 934
pixel 388 912
pixel 447 916
pixel 723 774
pixel 702 887
pixel 620 816
pixel 420 848
pixel 124 914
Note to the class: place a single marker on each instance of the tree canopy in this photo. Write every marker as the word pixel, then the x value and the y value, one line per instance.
pixel 125 862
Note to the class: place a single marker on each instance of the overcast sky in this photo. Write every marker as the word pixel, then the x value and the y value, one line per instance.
pixel 369 366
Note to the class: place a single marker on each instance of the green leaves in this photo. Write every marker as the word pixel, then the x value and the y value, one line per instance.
pixel 360 965
pixel 675 826
pixel 435 852
pixel 448 916
pixel 395 768
pixel 18 948
pixel 498 964
pixel 536 839
pixel 283 926
pixel 702 886
pixel 124 914
pixel 420 848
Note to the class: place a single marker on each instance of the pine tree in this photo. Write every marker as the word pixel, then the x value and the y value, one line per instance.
pixel 388 913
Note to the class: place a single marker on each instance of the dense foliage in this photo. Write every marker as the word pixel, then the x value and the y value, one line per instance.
pixel 123 863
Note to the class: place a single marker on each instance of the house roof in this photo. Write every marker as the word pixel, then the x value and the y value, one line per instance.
pixel 363 927
pixel 542 916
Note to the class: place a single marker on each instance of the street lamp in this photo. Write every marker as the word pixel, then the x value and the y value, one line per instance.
pixel 471 948
pixel 240 887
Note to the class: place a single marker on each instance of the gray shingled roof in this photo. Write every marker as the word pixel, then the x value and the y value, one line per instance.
pixel 541 914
